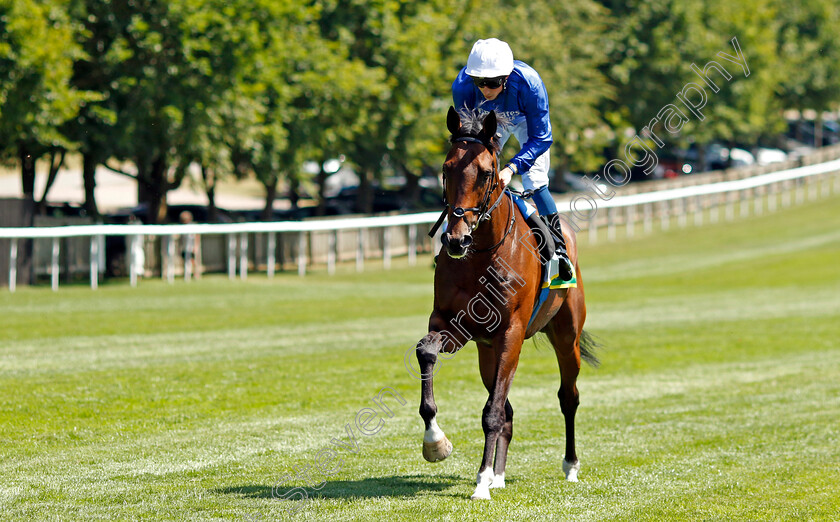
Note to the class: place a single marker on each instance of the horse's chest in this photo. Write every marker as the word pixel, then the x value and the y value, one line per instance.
pixel 478 309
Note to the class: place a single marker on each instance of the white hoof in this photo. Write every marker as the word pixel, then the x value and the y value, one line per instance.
pixel 570 469
pixel 482 488
pixel 498 482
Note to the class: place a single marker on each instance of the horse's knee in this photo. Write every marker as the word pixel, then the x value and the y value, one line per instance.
pixel 569 400
pixel 428 348
pixel 493 418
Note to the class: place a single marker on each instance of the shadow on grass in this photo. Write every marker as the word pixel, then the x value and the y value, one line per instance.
pixel 393 486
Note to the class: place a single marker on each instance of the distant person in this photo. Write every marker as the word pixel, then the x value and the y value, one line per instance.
pixel 493 81
pixel 189 247
pixel 137 252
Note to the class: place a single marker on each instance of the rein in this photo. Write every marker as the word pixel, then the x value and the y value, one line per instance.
pixel 484 212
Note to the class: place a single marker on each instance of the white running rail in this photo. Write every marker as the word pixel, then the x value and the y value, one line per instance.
pixel 628 203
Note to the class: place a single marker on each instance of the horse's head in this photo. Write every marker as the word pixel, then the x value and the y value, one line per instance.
pixel 470 177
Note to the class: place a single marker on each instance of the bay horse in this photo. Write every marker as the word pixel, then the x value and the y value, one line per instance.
pixel 486 284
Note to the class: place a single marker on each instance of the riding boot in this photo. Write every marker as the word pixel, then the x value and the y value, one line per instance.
pixel 566 269
pixel 540 229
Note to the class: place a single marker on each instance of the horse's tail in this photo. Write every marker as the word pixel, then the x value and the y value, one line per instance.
pixel 588 346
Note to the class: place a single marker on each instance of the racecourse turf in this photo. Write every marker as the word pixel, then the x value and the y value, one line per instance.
pixel 718 397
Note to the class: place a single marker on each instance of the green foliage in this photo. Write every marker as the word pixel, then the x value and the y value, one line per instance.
pixel 746 108
pixel 808 45
pixel 256 88
pixel 37 53
pixel 566 47
pixel 408 48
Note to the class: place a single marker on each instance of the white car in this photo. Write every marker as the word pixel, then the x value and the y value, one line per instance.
pixel 766 156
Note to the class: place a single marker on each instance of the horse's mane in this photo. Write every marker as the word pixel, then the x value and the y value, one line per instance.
pixel 472 121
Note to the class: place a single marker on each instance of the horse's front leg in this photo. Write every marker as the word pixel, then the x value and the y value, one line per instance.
pixel 436 446
pixel 495 417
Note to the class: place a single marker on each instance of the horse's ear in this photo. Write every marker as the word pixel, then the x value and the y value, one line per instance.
pixel 453 121
pixel 489 128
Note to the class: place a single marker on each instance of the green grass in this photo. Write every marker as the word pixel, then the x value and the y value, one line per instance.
pixel 718 397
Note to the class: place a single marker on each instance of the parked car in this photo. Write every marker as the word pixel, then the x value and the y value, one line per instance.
pixel 765 156
pixel 200 213
pixel 672 166
pixel 804 131
pixel 719 156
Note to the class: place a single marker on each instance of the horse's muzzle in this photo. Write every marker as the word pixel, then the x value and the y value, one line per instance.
pixel 456 247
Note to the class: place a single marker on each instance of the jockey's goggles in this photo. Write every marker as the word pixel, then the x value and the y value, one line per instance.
pixel 490 83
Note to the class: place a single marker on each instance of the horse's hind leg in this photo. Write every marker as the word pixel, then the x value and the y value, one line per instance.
pixel 564 333
pixel 569 400
pixel 487 365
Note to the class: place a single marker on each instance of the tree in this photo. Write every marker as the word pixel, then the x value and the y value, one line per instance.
pixel 162 68
pixel 746 108
pixel 658 48
pixel 300 93
pixel 809 47
pixel 37 51
pixel 411 46
pixel 566 48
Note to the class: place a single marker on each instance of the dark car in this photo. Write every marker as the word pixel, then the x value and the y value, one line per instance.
pixel 200 214
pixel 804 131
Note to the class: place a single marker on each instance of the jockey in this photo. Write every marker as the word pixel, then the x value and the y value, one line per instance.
pixel 493 81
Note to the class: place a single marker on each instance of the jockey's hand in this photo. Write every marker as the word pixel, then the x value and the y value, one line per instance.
pixel 505 175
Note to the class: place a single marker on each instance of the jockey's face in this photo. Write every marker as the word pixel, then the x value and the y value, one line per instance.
pixel 491 94
pixel 490 87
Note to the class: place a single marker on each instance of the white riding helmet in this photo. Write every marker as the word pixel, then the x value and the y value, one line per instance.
pixel 490 58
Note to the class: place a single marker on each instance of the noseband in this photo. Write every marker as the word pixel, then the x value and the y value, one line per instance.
pixel 483 210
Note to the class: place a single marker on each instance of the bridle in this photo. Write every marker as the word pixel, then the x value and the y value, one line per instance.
pixel 484 211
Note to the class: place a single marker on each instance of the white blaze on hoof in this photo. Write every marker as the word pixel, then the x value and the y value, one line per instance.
pixel 571 470
pixel 483 481
pixel 498 482
pixel 434 433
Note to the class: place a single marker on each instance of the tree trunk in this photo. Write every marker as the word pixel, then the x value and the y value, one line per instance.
pixel 152 186
pixel 364 198
pixel 702 163
pixel 818 130
pixel 270 195
pixel 322 190
pixel 294 191
pixel 41 207
pixel 27 172
pixel 209 177
pixel 412 187
pixel 89 164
